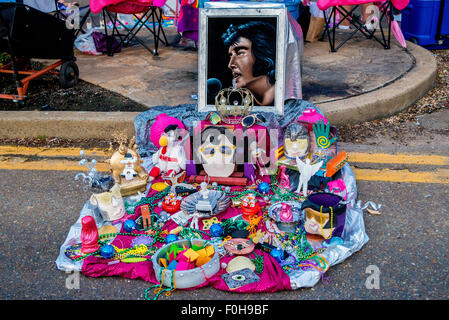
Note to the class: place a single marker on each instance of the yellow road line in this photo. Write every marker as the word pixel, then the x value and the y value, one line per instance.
pixel 54 165
pixel 436 176
pixel 435 160
pixel 51 152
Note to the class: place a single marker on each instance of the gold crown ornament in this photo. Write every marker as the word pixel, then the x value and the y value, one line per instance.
pixel 233 104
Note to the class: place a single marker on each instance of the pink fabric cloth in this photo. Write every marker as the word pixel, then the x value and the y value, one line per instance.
pixel 325 4
pixel 273 278
pixel 124 6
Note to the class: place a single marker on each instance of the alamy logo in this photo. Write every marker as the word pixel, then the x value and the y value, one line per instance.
pixel 73 280
pixel 73 18
pixel 373 280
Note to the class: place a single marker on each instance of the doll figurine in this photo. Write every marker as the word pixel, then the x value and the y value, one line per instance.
pixel 306 171
pixel 128 172
pixel 170 160
pixel 126 169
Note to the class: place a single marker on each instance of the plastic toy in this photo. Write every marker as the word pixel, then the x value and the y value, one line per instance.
pixel 284 179
pixel 286 213
pixel 306 171
pixel 338 187
pixel 194 222
pixel 89 235
pixel 168 134
pixel 249 206
pixel 259 158
pixel 321 131
pixel 277 254
pixel 216 230
pixel 217 151
pixel 135 180
pixel 311 115
pixel 171 238
pixel 107 251
pixel 336 163
pixel 146 216
pixel 207 223
pixel 129 225
pixel 109 203
pixel 264 187
pixel 128 172
pixel 171 203
pixel 325 214
pixel 296 141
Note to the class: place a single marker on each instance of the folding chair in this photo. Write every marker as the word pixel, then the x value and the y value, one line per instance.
pixel 84 13
pixel 147 11
pixel 385 9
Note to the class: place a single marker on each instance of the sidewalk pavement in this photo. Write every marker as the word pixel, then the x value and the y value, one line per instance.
pixel 360 82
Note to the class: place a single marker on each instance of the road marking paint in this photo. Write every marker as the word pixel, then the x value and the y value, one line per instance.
pixel 51 152
pixel 435 160
pixel 54 165
pixel 436 176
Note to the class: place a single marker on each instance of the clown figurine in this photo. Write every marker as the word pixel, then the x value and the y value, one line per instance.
pixel 170 160
pixel 128 172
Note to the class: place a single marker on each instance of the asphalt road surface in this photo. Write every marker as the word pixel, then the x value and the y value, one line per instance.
pixel 407 246
pixel 407 249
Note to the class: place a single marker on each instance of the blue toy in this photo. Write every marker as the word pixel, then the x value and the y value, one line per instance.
pixel 264 187
pixel 129 225
pixel 107 251
pixel 278 254
pixel 170 238
pixel 216 230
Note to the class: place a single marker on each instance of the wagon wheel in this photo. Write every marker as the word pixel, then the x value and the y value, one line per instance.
pixel 68 74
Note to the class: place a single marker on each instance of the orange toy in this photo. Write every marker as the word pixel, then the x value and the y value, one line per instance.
pixel 336 163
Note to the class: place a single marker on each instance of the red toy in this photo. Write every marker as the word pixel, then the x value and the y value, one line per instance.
pixel 171 203
pixel 250 207
pixel 89 235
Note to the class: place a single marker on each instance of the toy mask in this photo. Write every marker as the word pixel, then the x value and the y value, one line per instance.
pixel 217 153
pixel 110 203
pixel 324 214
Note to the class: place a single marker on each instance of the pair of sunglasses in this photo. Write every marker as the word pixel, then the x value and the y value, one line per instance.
pixel 251 119
pixel 210 151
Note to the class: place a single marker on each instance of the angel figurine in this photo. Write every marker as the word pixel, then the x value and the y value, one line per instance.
pixel 194 222
pixel 306 171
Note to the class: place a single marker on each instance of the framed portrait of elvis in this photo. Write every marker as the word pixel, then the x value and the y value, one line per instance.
pixel 242 47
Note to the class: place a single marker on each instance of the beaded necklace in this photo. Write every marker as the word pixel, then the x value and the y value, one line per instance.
pixel 130 209
pixel 279 193
pixel 160 290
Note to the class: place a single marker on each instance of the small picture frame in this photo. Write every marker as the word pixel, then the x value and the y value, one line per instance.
pixel 242 48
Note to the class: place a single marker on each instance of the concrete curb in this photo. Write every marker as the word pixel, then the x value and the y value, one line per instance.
pixel 380 103
pixel 390 99
pixel 66 124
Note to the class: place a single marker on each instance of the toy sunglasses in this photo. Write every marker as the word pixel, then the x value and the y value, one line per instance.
pixel 251 119
pixel 210 151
